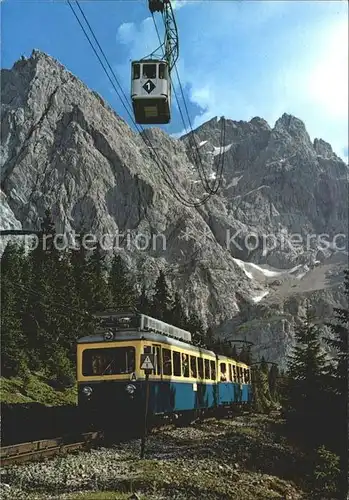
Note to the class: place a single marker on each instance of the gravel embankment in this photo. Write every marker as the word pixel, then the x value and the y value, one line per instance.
pixel 243 459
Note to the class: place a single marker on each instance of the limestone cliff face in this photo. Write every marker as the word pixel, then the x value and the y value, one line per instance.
pixel 65 149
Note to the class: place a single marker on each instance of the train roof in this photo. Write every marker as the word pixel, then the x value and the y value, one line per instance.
pixel 226 358
pixel 136 334
pixel 126 321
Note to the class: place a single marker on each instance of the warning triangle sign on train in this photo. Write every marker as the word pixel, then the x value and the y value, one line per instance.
pixel 147 362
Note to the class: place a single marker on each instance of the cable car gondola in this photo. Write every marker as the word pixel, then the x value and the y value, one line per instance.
pixel 151 76
pixel 151 91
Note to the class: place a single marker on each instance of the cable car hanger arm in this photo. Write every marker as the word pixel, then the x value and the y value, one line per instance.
pixel 171 41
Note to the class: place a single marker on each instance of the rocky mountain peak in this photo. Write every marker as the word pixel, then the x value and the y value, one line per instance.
pixel 260 122
pixel 292 127
pixel 64 149
pixel 323 148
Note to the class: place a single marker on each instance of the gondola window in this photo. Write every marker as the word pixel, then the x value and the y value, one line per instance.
pixel 149 70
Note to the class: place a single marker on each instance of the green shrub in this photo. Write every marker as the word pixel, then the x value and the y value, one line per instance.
pixel 326 473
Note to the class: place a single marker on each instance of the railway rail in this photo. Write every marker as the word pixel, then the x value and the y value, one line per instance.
pixel 34 450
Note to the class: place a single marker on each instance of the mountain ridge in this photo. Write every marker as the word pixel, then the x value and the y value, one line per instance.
pixel 64 148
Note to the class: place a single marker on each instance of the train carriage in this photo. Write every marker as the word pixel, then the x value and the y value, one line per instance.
pixel 186 378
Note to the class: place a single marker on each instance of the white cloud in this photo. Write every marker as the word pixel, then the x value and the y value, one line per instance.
pixel 126 32
pixel 178 4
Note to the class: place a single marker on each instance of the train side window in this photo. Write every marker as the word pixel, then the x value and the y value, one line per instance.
pixel 193 368
pixel 185 365
pixel 234 372
pixel 247 376
pixel 201 367
pixel 177 363
pixel 207 369
pixel 157 352
pixel 223 367
pixel 213 370
pixel 230 373
pixel 136 71
pixel 166 362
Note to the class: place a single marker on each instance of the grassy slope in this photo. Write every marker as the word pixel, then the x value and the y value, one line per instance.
pixel 35 389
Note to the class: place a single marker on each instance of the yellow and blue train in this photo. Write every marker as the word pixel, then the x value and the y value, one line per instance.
pixel 186 379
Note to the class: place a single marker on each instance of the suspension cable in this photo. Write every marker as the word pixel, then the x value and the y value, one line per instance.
pixel 144 136
pixel 200 169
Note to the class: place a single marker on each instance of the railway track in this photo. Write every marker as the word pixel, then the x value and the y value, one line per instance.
pixel 35 450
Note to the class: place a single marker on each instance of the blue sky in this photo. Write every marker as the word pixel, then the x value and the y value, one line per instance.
pixel 238 58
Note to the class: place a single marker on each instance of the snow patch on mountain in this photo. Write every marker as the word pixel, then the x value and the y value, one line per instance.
pixel 218 151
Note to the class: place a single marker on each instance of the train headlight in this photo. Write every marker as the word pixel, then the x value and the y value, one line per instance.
pixel 87 390
pixel 130 388
pixel 108 335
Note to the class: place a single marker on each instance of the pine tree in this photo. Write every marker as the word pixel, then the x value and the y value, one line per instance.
pixel 196 328
pixel 273 382
pixel 82 277
pixel 97 274
pixel 307 368
pixel 161 303
pixel 234 353
pixel 38 325
pixel 13 342
pixel 245 355
pixel 261 392
pixel 121 285
pixel 143 303
pixel 177 316
pixel 210 339
pixel 337 416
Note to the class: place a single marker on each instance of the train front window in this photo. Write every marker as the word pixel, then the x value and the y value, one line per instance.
pixel 149 70
pixel 108 361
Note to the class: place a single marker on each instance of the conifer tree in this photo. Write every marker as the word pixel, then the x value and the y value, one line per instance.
pixel 143 302
pixel 337 414
pixel 38 325
pixel 97 274
pixel 13 342
pixel 261 390
pixel 82 277
pixel 234 353
pixel 196 328
pixel 210 339
pixel 121 285
pixel 177 316
pixel 161 303
pixel 307 368
pixel 273 382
